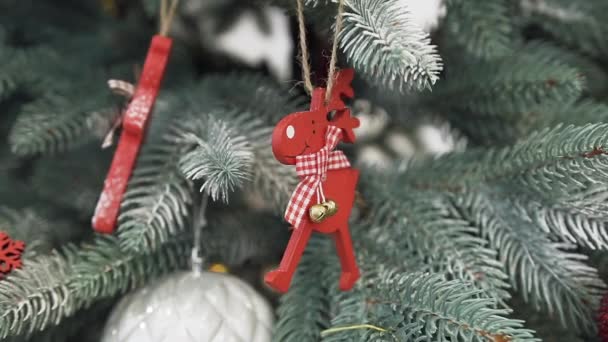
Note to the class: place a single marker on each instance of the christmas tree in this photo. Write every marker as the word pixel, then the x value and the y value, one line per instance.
pixel 499 234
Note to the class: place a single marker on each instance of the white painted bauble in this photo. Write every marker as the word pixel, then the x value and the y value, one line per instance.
pixel 189 307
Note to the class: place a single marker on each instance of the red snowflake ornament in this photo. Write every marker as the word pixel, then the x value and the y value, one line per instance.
pixel 10 254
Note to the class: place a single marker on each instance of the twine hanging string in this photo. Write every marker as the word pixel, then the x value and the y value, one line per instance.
pixel 167 12
pixel 331 75
pixel 304 48
pixel 199 221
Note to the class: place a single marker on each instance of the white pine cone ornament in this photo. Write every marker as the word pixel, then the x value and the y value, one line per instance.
pixel 188 307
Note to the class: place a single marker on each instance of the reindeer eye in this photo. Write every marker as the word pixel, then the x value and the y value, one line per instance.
pixel 291 132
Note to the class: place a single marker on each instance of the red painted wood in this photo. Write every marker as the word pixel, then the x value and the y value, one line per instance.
pixel 310 126
pixel 10 254
pixel 134 125
pixel 309 137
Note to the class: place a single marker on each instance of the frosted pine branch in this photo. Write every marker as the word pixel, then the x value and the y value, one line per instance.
pixel 381 39
pixel 222 160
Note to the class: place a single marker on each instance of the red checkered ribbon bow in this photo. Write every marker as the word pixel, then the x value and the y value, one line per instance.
pixel 312 169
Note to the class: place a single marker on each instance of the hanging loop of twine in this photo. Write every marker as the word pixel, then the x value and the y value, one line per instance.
pixel 167 12
pixel 304 59
pixel 304 56
pixel 331 75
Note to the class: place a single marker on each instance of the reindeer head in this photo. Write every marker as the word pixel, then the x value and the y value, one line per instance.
pixel 304 132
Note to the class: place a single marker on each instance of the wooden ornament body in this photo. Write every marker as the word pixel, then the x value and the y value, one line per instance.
pixel 305 133
pixel 339 186
pixel 133 133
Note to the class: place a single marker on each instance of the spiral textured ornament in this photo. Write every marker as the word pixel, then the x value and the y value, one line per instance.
pixel 189 307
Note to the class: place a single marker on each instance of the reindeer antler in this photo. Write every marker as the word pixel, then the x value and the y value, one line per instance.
pixel 342 118
pixel 342 88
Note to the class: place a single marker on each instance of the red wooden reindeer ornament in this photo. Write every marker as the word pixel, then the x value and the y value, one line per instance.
pixel 134 125
pixel 324 197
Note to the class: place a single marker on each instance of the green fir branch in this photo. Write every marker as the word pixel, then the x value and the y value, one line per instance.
pixel 303 312
pixel 50 288
pixel 57 121
pixel 428 223
pixel 233 239
pixel 159 196
pixel 37 295
pixel 381 40
pixel 546 273
pixel 556 174
pixel 374 246
pixel 40 233
pixel 508 86
pixel 442 240
pixel 581 26
pixel 71 327
pixel 580 221
pixel 272 180
pixel 249 92
pixel 512 126
pixel 596 78
pixel 151 7
pixel 68 101
pixel 590 232
pixel 266 101
pixel 222 160
pixel 8 83
pixel 494 33
pixel 545 328
pixel 14 192
pixel 78 176
pixel 382 307
pixel 554 169
pixel 578 113
pixel 350 310
pixel 552 163
pixel 158 199
pixel 104 269
pixel 19 70
pixel 420 306
pixel 547 114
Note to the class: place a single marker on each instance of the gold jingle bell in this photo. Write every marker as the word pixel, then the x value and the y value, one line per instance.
pixel 317 213
pixel 320 212
pixel 332 207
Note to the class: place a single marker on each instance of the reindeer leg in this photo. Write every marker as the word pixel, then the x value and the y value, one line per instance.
pixel 344 247
pixel 280 279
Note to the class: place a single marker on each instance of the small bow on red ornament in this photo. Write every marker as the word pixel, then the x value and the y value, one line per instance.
pixel 10 254
pixel 312 168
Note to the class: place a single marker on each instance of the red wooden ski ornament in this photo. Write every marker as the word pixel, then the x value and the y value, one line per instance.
pixel 133 133
pixel 324 198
